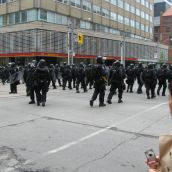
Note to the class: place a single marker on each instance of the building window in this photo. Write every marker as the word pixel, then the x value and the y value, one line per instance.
pixel 132 9
pixel 51 17
pixel 114 2
pixel 113 16
pixel 11 19
pixel 43 15
pixel 32 15
pixel 85 25
pixel 86 5
pixel 76 3
pixel 105 13
pixel 96 9
pixel 120 4
pixel 17 17
pixel 1 21
pixel 137 12
pixel 24 16
pixel 120 19
pixel 127 7
pixel 127 21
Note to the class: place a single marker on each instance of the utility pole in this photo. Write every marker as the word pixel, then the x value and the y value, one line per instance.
pixel 70 34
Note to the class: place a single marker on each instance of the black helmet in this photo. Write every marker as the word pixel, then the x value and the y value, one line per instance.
pixel 51 65
pixel 13 64
pixel 170 67
pixel 140 64
pixel 164 66
pixel 42 63
pixel 99 60
pixel 116 63
pixel 64 63
pixel 150 66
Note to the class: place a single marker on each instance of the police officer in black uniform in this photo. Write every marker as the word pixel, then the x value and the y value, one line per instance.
pixel 58 74
pixel 139 71
pixel 89 76
pixel 130 78
pixel 29 80
pixel 162 79
pixel 149 79
pixel 99 82
pixel 80 78
pixel 42 82
pixel 52 76
pixel 116 80
pixel 13 78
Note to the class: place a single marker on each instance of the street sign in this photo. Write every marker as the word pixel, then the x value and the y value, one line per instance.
pixel 80 38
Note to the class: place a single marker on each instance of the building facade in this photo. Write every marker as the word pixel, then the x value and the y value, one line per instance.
pixel 166 30
pixel 112 28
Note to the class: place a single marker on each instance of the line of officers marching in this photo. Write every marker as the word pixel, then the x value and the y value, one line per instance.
pixel 38 77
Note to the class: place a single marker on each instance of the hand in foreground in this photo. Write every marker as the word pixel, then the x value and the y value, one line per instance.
pixel 153 165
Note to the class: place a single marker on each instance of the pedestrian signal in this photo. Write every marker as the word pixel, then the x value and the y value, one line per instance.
pixel 80 39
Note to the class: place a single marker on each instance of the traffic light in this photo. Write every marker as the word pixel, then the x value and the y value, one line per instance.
pixel 80 39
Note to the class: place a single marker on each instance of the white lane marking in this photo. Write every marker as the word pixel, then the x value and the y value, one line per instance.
pixel 82 139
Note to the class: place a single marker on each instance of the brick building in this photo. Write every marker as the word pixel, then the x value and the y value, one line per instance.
pixel 166 30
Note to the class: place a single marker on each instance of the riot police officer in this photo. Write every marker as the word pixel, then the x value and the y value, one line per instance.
pixel 116 80
pixel 80 78
pixel 130 78
pixel 139 71
pixel 99 82
pixel 13 78
pixel 52 76
pixel 162 77
pixel 149 79
pixel 42 82
pixel 89 76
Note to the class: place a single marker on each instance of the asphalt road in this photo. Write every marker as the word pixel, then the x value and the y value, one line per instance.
pixel 69 136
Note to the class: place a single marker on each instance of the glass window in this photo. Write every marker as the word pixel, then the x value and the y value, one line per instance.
pixel 142 14
pixel 120 4
pixel 120 19
pixel 113 16
pixel 32 15
pixel 43 15
pixel 86 5
pixel 137 12
pixel 127 6
pixel 142 27
pixel 64 20
pixel 76 3
pixel 1 21
pixel 85 25
pixel 17 17
pixel 114 2
pixel 96 9
pixel 24 16
pixel 132 23
pixel 105 13
pixel 58 19
pixel 12 18
pixel 132 9
pixel 143 2
pixel 51 17
pixel 127 21
pixel 138 25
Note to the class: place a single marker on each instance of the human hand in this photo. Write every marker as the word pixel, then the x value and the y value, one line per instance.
pixel 153 165
pixel 170 103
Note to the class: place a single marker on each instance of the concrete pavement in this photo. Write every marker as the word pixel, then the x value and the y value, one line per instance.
pixel 69 136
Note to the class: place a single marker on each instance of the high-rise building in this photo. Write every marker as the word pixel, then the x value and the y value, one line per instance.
pixel 111 28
